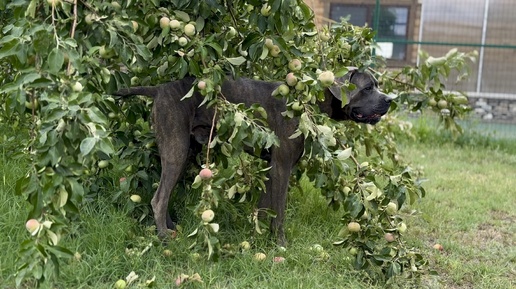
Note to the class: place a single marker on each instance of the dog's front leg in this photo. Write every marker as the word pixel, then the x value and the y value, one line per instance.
pixel 275 197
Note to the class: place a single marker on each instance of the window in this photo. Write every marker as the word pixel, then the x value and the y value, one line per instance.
pixel 393 24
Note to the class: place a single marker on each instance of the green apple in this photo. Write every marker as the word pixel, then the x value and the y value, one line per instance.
pixel 164 22
pixel 89 19
pixel 32 104
pixel 207 216
pixel 274 51
pixel 354 227
pixel 103 164
pixel 77 87
pixel 245 245
pixel 189 30
pixel 391 208
pixel 294 65
pixel 442 104
pixel 266 10
pixel 182 41
pixel 135 25
pixel 174 24
pixel 136 198
pixel 283 89
pixel 402 227
pixel 120 284
pixel 53 2
pixel 296 106
pixel 260 256
pixel 326 78
pixel 268 43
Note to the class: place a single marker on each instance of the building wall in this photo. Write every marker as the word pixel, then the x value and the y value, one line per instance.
pixel 322 8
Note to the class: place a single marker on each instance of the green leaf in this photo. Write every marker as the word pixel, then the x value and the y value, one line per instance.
pixel 189 93
pixel 55 60
pixel 143 51
pixel 182 15
pixel 236 60
pixel 87 145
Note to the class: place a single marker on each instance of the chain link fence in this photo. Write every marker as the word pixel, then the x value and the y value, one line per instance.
pixel 404 27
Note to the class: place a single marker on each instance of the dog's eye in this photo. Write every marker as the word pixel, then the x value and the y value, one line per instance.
pixel 368 88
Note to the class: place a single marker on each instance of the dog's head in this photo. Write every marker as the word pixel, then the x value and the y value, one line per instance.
pixel 365 104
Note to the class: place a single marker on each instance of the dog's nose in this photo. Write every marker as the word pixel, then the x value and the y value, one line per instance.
pixel 389 97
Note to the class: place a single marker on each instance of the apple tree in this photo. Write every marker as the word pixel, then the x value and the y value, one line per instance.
pixel 62 59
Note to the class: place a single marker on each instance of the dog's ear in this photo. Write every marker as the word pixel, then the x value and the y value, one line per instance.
pixel 336 89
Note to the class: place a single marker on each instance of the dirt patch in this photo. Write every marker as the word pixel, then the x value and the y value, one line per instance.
pixel 488 233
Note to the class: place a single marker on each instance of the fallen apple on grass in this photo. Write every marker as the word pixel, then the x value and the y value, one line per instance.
pixel 260 256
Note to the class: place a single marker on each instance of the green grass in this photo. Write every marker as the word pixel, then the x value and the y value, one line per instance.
pixel 470 209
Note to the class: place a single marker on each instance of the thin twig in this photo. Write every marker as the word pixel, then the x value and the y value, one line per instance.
pixel 72 33
pixel 209 139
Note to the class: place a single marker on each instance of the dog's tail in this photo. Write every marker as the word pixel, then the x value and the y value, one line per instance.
pixel 150 91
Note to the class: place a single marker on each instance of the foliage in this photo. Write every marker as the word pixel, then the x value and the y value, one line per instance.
pixel 64 59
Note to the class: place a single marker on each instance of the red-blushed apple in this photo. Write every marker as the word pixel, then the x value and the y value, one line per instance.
pixel 201 85
pixel 438 247
pixel 207 216
pixel 354 227
pixel 291 79
pixel 205 174
pixel 278 259
pixel 32 226
pixel 389 237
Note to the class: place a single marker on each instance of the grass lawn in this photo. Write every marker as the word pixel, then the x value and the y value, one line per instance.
pixel 470 209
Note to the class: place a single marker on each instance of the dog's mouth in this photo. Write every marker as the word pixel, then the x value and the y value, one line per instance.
pixel 370 119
